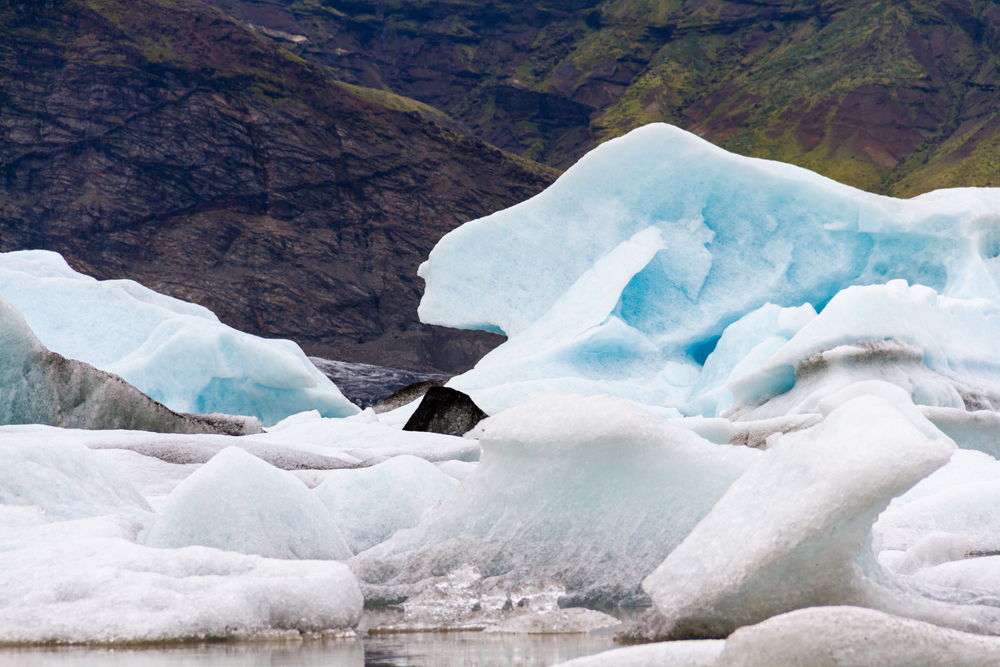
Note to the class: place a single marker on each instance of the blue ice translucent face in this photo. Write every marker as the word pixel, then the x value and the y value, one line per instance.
pixel 735 234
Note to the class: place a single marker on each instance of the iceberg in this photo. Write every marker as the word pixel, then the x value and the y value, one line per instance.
pixel 854 637
pixel 236 502
pixel 794 531
pixel 38 386
pixel 87 581
pixel 625 273
pixel 177 353
pixel 591 493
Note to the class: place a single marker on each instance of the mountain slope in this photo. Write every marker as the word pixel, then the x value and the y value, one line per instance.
pixel 164 142
pixel 894 96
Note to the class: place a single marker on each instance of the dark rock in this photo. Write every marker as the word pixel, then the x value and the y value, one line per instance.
pixel 406 395
pixel 447 411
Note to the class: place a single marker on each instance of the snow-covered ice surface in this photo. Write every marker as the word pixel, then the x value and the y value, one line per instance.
pixel 176 352
pixel 89 581
pixel 589 492
pixel 236 502
pixel 80 509
pixel 370 504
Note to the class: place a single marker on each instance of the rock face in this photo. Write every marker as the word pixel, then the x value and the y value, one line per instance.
pixel 447 411
pixel 38 386
pixel 897 98
pixel 166 143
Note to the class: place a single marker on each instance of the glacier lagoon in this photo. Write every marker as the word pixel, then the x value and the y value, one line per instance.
pixel 759 401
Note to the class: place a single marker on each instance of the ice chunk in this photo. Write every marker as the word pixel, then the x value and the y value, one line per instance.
pixel 744 347
pixel 87 581
pixel 787 533
pixel 930 550
pixel 854 637
pixel 979 429
pixel 177 353
pixel 370 504
pixel 941 350
pixel 237 502
pixel 41 387
pixel 978 575
pixel 702 653
pixel 65 479
pixel 591 493
pixel 970 510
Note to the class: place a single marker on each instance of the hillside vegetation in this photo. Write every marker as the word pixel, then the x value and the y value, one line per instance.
pixel 896 96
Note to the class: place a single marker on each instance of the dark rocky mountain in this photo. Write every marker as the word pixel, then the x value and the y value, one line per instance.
pixel 893 96
pixel 163 141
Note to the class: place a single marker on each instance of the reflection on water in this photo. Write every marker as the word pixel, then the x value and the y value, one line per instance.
pixel 437 649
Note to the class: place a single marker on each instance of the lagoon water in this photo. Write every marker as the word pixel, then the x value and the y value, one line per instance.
pixel 429 649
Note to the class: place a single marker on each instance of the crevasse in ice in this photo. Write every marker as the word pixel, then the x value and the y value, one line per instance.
pixel 178 353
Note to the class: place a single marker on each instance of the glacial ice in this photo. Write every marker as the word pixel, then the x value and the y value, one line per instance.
pixel 236 502
pixel 370 504
pixel 88 581
pixel 697 653
pixel 792 531
pixel 692 239
pixel 591 493
pixel 38 386
pixel 854 637
pixel 177 353
pixel 64 479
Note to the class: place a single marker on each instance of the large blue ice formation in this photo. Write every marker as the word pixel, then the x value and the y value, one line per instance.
pixel 176 352
pixel 624 274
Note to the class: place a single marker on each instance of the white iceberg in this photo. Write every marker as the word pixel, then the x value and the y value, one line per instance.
pixel 87 581
pixel 794 531
pixel 177 353
pixel 591 493
pixel 854 637
pixel 236 502
pixel 941 350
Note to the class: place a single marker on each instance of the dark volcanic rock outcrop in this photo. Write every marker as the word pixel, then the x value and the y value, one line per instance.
pixel 38 386
pixel 445 410
pixel 167 143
